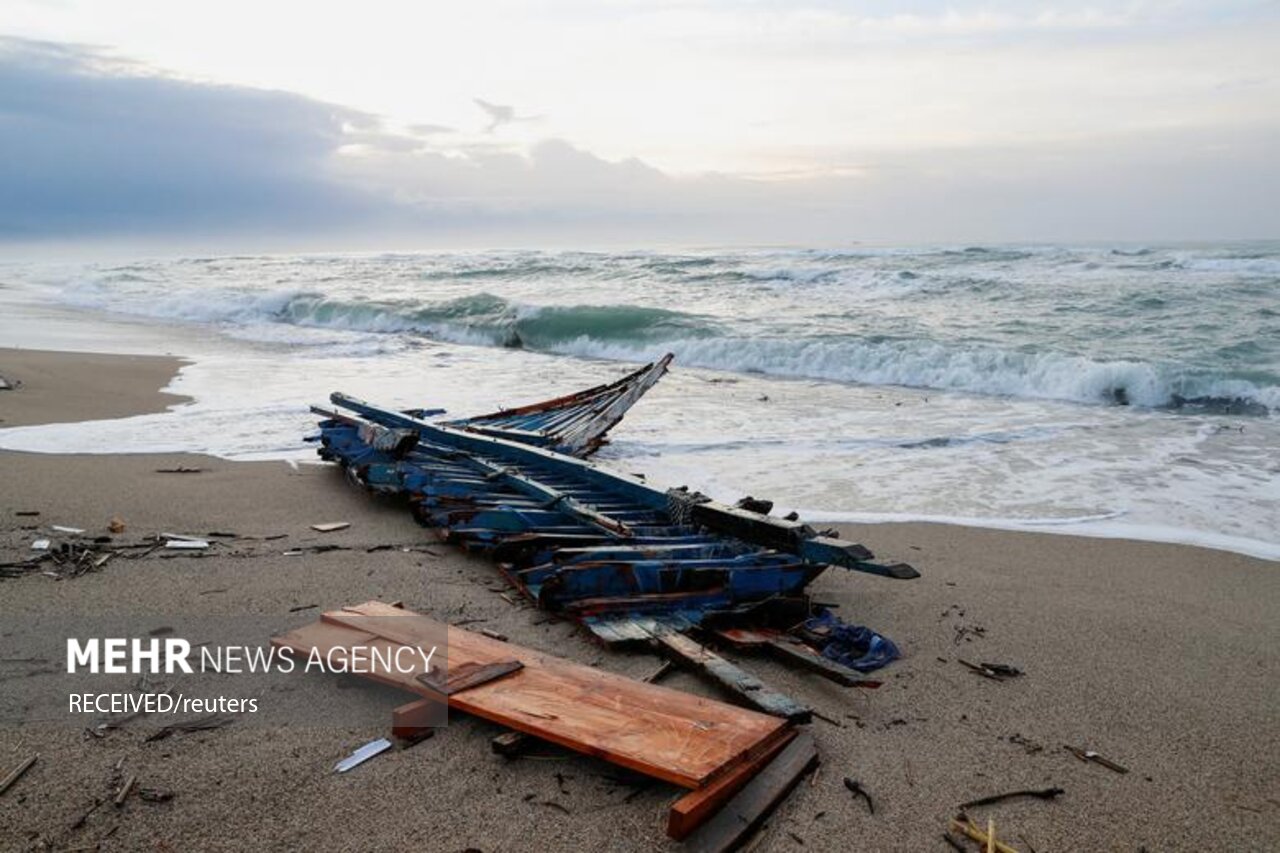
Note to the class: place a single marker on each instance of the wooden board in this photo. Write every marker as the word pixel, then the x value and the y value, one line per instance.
pixel 679 738
pixel 747 810
pixel 732 677
pixel 691 810
pixel 793 651
pixel 413 722
pixel 466 676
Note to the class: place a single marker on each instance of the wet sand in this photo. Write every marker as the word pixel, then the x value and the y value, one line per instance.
pixel 65 387
pixel 1164 658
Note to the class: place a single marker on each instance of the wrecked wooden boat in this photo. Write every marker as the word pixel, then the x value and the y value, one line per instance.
pixel 574 424
pixel 631 562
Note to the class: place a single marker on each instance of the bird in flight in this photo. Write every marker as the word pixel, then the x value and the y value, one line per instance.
pixel 500 114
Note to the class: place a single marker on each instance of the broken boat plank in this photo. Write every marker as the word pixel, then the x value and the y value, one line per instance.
pixel 750 806
pixel 679 738
pixel 791 650
pixel 732 677
pixel 467 676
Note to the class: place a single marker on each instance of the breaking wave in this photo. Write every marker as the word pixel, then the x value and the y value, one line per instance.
pixel 974 369
pixel 487 319
pixel 637 333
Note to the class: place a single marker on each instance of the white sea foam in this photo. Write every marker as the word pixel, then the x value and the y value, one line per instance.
pixel 923 364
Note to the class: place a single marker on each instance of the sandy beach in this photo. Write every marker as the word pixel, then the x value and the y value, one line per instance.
pixel 66 387
pixel 1162 658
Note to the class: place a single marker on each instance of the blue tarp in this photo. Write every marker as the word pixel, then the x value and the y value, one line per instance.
pixel 851 645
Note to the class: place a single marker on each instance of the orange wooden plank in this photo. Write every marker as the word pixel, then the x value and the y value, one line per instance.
pixel 413 721
pixel 689 812
pixel 684 739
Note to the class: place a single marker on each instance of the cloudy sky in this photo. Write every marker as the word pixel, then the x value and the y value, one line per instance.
pixel 404 125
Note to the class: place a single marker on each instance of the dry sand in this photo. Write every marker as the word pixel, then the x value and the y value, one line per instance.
pixel 1163 658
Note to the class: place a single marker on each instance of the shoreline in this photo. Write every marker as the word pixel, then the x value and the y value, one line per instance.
pixel 1079 529
pixel 71 386
pixel 1108 633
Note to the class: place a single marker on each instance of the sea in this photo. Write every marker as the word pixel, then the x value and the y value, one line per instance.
pixel 1101 390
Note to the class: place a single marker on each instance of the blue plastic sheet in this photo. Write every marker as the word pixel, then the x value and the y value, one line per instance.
pixel 853 646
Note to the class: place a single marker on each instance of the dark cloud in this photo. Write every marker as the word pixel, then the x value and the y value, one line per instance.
pixel 91 145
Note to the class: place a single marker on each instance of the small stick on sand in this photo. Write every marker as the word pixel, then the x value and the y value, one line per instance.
pixel 17 772
pixel 125 789
pixel 967 827
pixel 1044 794
pixel 856 787
pixel 1087 755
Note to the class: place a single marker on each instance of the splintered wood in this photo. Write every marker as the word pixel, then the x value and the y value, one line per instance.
pixel 687 740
